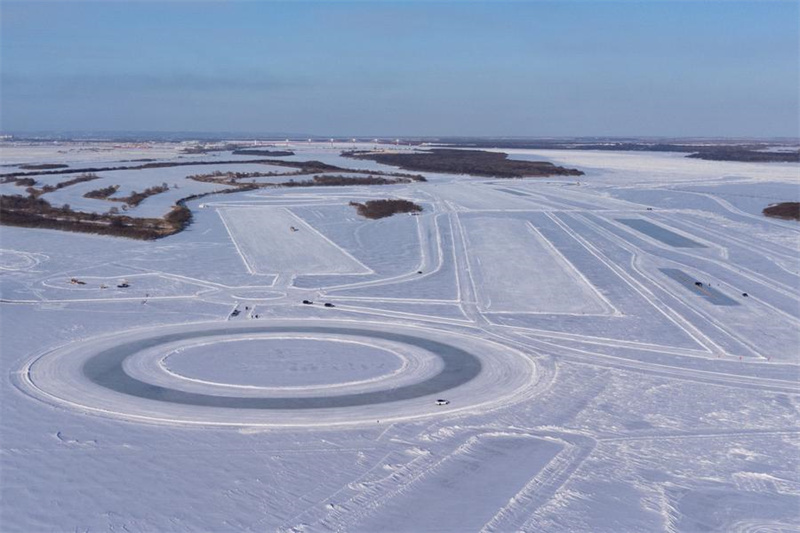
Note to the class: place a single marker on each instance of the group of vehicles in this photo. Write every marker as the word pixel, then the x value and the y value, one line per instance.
pixel 123 284
pixel 326 304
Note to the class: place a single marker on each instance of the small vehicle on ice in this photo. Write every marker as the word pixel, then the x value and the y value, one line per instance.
pixel 442 401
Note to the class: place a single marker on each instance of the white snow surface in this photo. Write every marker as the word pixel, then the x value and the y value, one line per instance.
pixel 588 390
pixel 274 240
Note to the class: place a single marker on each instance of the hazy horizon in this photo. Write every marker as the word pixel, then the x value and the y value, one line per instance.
pixel 243 136
pixel 490 69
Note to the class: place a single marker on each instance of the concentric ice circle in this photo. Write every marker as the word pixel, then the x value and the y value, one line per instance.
pixel 211 366
pixel 282 362
pixel 125 374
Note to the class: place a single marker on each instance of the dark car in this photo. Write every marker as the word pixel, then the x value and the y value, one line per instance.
pixel 307 302
pixel 328 304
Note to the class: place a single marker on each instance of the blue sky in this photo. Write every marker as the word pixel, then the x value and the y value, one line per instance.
pixel 540 68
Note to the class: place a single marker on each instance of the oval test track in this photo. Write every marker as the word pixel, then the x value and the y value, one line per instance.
pixel 105 369
pixel 94 375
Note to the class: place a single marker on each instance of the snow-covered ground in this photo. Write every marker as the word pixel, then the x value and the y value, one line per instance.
pixel 592 384
pixel 274 240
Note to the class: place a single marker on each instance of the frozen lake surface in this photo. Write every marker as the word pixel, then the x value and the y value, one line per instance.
pixel 615 352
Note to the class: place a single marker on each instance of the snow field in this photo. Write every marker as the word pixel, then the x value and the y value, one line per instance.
pixel 389 247
pixel 515 269
pixel 267 244
pixel 15 260
pixel 660 412
pixel 488 471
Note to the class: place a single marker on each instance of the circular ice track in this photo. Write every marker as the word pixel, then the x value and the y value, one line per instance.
pixel 372 371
